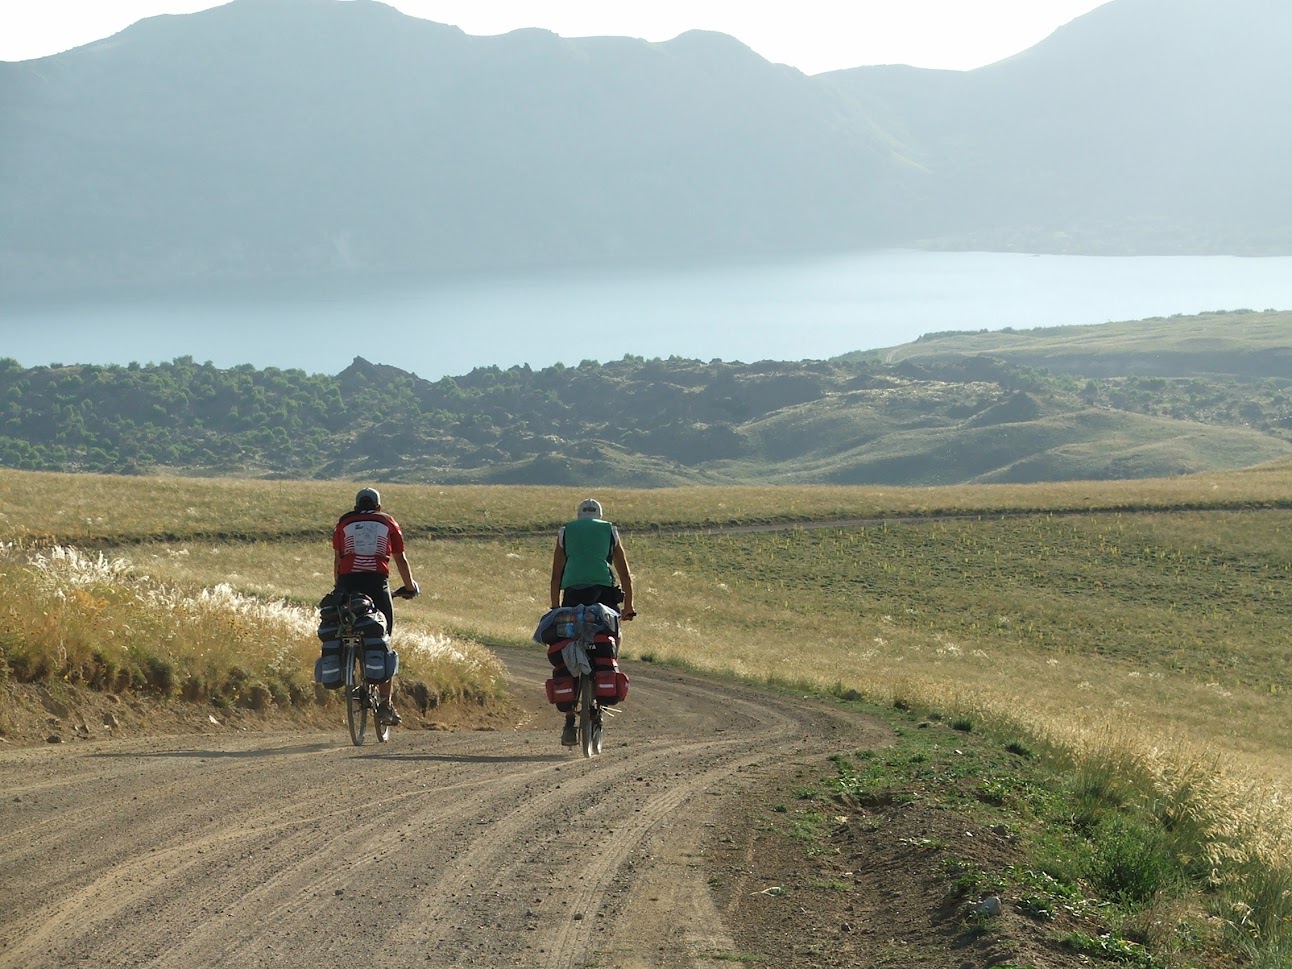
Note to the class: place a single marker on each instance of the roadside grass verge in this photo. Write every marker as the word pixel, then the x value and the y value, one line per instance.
pixel 1102 856
pixel 97 621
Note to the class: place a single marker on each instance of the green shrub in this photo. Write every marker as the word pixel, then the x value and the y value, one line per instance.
pixel 1133 863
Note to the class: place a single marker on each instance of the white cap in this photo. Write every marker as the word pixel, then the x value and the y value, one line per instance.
pixel 589 508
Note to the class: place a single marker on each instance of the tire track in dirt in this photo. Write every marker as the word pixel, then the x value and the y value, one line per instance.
pixel 546 832
pixel 582 847
pixel 136 873
pixel 571 940
pixel 440 849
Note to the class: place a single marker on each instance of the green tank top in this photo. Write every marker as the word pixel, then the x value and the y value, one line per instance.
pixel 587 553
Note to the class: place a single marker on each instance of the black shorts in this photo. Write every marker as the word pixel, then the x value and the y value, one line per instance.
pixel 591 595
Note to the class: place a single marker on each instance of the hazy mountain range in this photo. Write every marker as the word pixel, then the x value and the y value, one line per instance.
pixel 276 138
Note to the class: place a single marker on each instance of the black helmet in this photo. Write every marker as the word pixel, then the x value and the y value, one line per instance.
pixel 367 500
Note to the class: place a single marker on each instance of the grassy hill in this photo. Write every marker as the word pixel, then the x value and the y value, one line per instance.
pixel 1023 438
pixel 1239 344
pixel 1040 405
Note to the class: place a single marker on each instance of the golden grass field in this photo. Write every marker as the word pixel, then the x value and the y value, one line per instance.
pixel 109 509
pixel 1136 628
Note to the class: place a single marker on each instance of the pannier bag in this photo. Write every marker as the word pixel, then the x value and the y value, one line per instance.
pixel 328 610
pixel 604 646
pixel 554 654
pixel 368 619
pixel 560 690
pixel 379 664
pixel 571 622
pixel 327 668
pixel 611 683
pixel 373 630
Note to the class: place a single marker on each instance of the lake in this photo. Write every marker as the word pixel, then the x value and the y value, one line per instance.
pixel 788 310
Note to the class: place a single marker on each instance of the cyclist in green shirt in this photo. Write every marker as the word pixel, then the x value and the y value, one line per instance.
pixel 587 549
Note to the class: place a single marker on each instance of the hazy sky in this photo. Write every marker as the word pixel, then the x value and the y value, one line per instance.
pixel 812 35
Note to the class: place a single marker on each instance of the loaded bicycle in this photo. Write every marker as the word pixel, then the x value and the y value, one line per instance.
pixel 583 648
pixel 354 632
pixel 361 697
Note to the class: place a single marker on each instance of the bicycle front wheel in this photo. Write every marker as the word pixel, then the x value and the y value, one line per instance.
pixel 589 743
pixel 597 722
pixel 356 698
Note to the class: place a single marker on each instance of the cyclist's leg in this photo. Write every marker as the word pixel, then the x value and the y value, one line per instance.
pixel 386 606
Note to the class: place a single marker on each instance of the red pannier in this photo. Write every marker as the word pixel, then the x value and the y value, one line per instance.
pixel 560 689
pixel 612 685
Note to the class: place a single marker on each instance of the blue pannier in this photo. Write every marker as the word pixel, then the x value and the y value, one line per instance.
pixel 379 664
pixel 327 668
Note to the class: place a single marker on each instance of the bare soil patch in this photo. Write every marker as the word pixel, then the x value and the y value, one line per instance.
pixel 873 891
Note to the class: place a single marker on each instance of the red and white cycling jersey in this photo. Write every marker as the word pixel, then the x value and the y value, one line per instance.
pixel 366 540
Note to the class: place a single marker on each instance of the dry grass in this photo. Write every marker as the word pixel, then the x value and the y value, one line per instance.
pixel 103 509
pixel 108 623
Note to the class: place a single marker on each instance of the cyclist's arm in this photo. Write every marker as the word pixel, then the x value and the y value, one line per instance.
pixel 405 573
pixel 558 570
pixel 625 577
pixel 336 564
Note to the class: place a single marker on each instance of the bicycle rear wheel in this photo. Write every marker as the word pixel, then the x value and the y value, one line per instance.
pixel 589 744
pixel 356 698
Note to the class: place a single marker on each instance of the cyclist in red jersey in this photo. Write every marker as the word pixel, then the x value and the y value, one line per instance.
pixel 363 543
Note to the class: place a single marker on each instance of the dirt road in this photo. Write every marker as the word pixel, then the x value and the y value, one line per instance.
pixel 468 848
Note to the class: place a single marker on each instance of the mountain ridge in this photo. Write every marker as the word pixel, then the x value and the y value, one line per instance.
pixel 272 138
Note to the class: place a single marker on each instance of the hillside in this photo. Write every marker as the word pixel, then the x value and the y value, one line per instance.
pixel 288 138
pixel 1043 405
pixel 1118 133
pixel 1239 344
